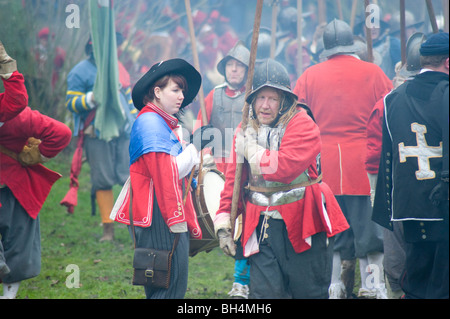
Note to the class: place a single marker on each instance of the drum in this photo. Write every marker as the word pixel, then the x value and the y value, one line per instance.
pixel 206 203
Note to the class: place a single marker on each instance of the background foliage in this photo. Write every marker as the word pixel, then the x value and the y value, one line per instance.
pixel 21 20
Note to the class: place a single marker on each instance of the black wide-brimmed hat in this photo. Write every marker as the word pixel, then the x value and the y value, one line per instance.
pixel 157 71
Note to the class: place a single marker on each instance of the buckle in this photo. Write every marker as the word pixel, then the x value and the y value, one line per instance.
pixel 149 273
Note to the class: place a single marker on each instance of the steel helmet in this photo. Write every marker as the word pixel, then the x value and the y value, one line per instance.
pixel 238 52
pixel 338 38
pixel 271 73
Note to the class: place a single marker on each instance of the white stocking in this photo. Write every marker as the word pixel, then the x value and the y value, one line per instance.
pixel 10 290
pixel 336 270
pixel 363 263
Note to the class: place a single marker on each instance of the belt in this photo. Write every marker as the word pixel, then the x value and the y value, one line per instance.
pixel 278 198
pixel 284 188
pixel 8 152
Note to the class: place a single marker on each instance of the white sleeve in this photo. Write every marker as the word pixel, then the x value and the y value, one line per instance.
pixel 187 160
pixel 89 100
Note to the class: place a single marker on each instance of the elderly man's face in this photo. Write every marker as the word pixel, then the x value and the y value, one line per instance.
pixel 267 105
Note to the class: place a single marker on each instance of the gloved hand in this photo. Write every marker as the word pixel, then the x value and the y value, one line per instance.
pixel 246 145
pixel 222 229
pixel 202 137
pixel 30 154
pixel 208 161
pixel 226 241
pixel 7 64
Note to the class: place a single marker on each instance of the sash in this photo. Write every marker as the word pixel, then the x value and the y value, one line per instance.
pixel 150 133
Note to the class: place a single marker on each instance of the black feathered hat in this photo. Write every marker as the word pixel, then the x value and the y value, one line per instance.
pixel 158 70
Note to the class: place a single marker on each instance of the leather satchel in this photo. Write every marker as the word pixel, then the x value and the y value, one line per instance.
pixel 152 267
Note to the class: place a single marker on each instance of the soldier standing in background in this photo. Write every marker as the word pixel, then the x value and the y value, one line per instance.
pixel 341 93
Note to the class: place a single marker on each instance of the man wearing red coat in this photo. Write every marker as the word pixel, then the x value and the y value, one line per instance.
pixel 341 93
pixel 12 102
pixel 27 138
pixel 15 97
pixel 26 141
pixel 290 216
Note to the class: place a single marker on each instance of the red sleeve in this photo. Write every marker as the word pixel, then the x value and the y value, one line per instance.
pixel 299 148
pixel 383 85
pixel 163 169
pixel 300 88
pixel 55 136
pixel 158 172
pixel 15 98
pixel 298 151
pixel 374 137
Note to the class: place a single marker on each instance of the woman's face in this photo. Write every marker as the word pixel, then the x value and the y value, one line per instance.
pixel 267 105
pixel 169 98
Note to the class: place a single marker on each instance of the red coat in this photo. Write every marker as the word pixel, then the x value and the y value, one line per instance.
pixel 298 151
pixel 374 137
pixel 31 184
pixel 15 98
pixel 341 92
pixel 156 173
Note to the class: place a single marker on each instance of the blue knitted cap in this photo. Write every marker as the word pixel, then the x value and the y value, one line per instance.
pixel 436 44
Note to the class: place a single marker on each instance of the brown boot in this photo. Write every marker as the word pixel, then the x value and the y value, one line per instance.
pixel 108 232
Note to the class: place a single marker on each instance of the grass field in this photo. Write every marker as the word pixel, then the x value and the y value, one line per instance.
pixel 70 246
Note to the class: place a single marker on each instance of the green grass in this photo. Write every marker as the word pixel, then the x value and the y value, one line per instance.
pixel 105 269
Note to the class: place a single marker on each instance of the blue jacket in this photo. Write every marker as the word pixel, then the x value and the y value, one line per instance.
pixel 80 81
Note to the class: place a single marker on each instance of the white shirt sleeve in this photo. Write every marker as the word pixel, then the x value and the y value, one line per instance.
pixel 187 160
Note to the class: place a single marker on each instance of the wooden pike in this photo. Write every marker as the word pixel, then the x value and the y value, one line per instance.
pixel 368 35
pixel 248 88
pixel 432 16
pixel 200 93
pixel 403 31
pixel 353 13
pixel 195 58
pixel 299 37
pixel 273 42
